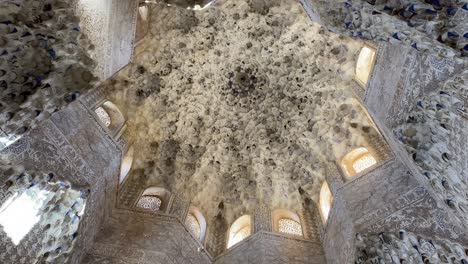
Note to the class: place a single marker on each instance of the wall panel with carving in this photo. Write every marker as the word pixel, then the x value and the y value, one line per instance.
pixel 407 247
pixel 66 146
pixel 138 237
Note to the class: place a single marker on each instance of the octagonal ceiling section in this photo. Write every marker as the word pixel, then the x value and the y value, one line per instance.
pixel 243 102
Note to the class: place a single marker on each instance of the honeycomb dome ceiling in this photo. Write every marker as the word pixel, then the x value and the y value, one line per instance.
pixel 242 103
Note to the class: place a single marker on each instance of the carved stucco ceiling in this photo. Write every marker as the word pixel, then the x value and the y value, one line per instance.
pixel 242 103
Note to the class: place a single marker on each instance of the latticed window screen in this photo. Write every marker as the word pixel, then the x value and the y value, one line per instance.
pixel 103 116
pixel 240 235
pixel 193 225
pixel 364 162
pixel 149 202
pixel 289 226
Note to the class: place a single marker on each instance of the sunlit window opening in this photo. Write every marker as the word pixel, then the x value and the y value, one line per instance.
pixel 110 116
pixel 6 140
pixel 364 64
pixel 103 116
pixel 142 22
pixel 240 235
pixel 240 230
pixel 149 202
pixel 357 161
pixel 192 224
pixel 154 199
pixel 19 214
pixel 289 226
pixel 126 164
pixel 363 163
pixel 287 222
pixel 326 200
pixel 196 223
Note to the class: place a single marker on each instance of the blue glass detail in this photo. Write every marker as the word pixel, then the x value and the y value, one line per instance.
pixel 451 11
pixel 51 53
pixel 452 34
pixel 465 6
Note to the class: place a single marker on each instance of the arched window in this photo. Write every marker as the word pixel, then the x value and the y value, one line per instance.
pixel 142 22
pixel 364 65
pixel 7 139
pixel 150 202
pixel 240 230
pixel 196 223
pixel 103 116
pixel 110 115
pixel 326 200
pixel 285 221
pixel 126 164
pixel 154 199
pixel 357 161
pixel 37 202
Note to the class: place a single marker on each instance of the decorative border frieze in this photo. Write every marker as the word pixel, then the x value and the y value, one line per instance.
pixel 56 136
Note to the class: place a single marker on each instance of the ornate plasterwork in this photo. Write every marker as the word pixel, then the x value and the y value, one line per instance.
pixel 267 247
pixel 407 247
pixel 262 219
pixel 59 208
pixel 179 206
pixel 44 64
pixel 432 135
pixel 111 27
pixel 159 229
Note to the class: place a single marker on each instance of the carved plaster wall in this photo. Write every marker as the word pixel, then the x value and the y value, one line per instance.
pixel 266 247
pixel 413 75
pixel 111 27
pixel 139 237
pixel 68 145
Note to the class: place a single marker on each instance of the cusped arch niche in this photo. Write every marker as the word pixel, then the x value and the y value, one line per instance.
pixel 326 200
pixel 111 117
pixel 154 199
pixel 364 65
pixel 287 222
pixel 126 164
pixel 239 230
pixel 357 161
pixel 196 223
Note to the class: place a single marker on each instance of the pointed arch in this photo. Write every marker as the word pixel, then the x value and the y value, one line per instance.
pixel 126 164
pixel 287 222
pixel 357 161
pixel 154 199
pixel 196 223
pixel 111 117
pixel 364 65
pixel 239 230
pixel 326 200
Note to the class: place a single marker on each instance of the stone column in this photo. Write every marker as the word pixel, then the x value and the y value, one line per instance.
pixel 179 207
pixel 378 147
pixel 262 219
pixel 216 234
pixel 129 193
pixel 334 177
pixel 312 227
